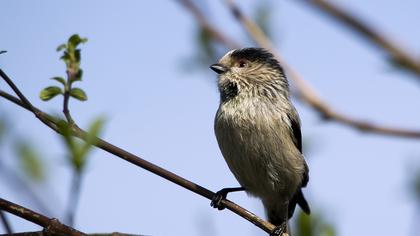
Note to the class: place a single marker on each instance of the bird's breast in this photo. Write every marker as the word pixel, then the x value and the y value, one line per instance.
pixel 251 136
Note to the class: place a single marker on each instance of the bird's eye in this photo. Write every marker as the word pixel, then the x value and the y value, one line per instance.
pixel 242 64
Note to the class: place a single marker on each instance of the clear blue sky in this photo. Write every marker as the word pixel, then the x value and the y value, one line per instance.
pixel 133 76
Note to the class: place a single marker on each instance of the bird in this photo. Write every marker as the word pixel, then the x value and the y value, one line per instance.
pixel 259 133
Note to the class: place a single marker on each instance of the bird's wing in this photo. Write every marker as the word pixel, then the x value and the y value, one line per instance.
pixel 297 140
pixel 298 197
pixel 297 135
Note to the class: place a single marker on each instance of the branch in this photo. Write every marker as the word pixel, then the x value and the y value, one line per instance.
pixel 133 159
pixel 395 52
pixel 307 93
pixel 48 120
pixel 51 226
pixel 219 36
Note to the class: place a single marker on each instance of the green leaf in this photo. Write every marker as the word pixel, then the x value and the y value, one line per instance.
pixel 305 227
pixel 65 129
pixel 75 40
pixel 61 47
pixel 93 132
pixel 79 94
pixel 30 162
pixel 328 230
pixel 60 80
pixel 312 225
pixel 66 58
pixel 74 157
pixel 91 139
pixel 78 151
pixel 50 92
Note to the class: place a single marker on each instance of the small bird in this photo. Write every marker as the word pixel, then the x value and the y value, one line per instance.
pixel 258 132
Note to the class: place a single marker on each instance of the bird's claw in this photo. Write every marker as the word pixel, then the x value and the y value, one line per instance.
pixel 279 230
pixel 216 202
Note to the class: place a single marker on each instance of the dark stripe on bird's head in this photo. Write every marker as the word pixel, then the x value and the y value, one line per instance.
pixel 260 55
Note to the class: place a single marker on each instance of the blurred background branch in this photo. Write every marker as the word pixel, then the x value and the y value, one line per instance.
pixel 219 36
pixel 397 55
pixel 5 222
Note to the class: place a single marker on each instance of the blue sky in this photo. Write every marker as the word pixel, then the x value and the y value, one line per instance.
pixel 134 75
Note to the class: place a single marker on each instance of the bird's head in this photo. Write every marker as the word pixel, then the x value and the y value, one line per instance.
pixel 254 71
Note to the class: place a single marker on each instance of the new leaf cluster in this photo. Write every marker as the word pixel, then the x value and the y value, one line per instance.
pixel 71 57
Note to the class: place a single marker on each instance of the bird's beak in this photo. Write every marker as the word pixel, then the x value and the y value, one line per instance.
pixel 218 68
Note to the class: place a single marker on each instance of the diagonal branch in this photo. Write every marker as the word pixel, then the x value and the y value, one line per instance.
pixel 395 52
pixel 52 226
pixel 307 93
pixel 133 159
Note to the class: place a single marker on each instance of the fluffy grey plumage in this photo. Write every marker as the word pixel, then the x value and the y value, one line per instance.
pixel 258 131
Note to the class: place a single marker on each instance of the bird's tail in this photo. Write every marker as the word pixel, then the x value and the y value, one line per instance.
pixel 299 199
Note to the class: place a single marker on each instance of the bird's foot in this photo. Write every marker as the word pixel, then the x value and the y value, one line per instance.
pixel 279 230
pixel 216 202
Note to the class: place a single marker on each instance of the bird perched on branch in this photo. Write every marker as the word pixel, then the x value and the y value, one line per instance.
pixel 258 131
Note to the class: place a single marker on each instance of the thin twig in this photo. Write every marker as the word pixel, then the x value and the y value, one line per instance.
pixel 46 119
pixel 5 223
pixel 52 226
pixel 17 91
pixel 66 100
pixel 307 93
pixel 71 75
pixel 77 132
pixel 362 28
